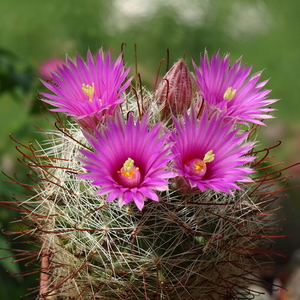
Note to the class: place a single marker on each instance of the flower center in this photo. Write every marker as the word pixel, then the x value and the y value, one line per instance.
pixel 229 94
pixel 198 166
pixel 129 174
pixel 89 90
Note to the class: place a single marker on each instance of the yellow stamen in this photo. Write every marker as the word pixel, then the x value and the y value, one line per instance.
pixel 209 156
pixel 199 166
pixel 128 169
pixel 229 94
pixel 89 90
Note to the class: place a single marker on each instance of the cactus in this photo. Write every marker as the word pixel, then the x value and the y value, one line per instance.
pixel 139 196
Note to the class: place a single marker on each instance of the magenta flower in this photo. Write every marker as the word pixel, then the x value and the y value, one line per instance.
pixel 130 161
pixel 231 90
pixel 88 91
pixel 209 154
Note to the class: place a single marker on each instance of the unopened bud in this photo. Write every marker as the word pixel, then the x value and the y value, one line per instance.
pixel 174 92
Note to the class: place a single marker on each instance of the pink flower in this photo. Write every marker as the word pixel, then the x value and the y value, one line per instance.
pixel 231 90
pixel 129 162
pixel 48 67
pixel 88 91
pixel 209 154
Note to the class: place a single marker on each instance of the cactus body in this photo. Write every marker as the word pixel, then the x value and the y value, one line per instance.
pixel 200 240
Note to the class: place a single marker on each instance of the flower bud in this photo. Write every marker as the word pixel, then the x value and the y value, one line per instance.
pixel 174 92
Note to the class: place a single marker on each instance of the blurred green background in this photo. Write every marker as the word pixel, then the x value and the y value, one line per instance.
pixel 265 32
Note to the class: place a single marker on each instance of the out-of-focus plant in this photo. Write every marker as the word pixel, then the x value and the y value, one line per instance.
pixel 17 79
pixel 15 74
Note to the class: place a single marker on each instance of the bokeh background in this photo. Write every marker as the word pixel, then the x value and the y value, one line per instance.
pixel 265 32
